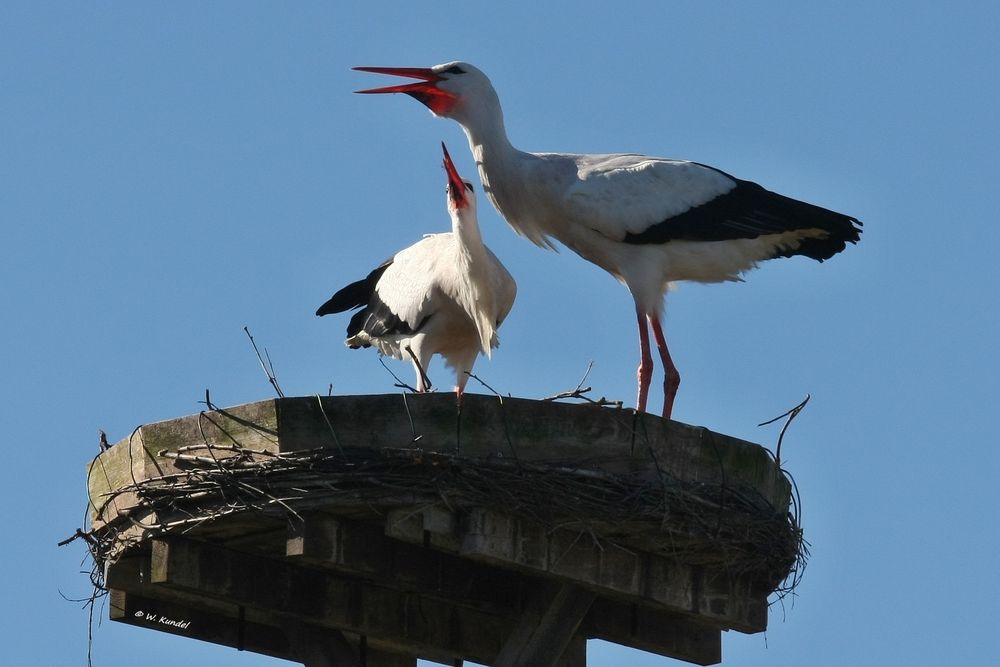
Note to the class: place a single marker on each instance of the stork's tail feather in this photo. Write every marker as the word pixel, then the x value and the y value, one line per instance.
pixel 358 340
pixel 355 295
pixel 748 211
pixel 841 229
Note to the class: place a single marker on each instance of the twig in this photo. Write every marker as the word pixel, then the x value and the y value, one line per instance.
pixel 207 460
pixel 204 438
pixel 228 448
pixel 268 367
pixel 572 393
pixel 503 416
pixel 791 414
pixel 423 375
pixel 580 392
pixel 480 381
pixel 329 424
pixel 413 429
pixel 586 374
pixel 208 400
pixel 87 537
pixel 399 383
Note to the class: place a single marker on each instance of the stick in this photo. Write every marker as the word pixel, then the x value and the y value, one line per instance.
pixel 329 425
pixel 480 381
pixel 268 368
pixel 580 391
pixel 399 383
pixel 791 414
pixel 423 376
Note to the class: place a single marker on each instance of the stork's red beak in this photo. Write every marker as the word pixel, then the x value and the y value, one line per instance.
pixel 426 91
pixel 456 186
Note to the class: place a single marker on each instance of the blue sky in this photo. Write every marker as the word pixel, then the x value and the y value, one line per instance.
pixel 171 173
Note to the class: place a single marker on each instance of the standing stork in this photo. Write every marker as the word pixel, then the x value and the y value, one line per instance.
pixel 446 294
pixel 647 221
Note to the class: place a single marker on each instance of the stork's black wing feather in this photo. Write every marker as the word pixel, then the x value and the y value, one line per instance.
pixel 748 211
pixel 355 295
pixel 375 319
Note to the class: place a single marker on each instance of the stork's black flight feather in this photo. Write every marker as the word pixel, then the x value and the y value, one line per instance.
pixel 748 211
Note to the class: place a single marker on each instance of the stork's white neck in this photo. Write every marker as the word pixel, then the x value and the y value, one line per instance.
pixel 505 171
pixel 488 140
pixel 465 227
pixel 473 291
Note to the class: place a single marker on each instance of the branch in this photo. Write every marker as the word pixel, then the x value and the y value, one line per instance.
pixel 268 367
pixel 423 375
pixel 399 383
pixel 580 391
pixel 791 414
pixel 480 381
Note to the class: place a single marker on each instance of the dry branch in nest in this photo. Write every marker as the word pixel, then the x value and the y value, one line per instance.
pixel 580 392
pixel 695 523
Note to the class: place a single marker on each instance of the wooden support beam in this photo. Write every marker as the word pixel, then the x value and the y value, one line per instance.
pixel 708 593
pixel 321 647
pixel 428 526
pixel 730 599
pixel 229 625
pixel 136 602
pixel 659 632
pixel 168 614
pixel 479 585
pixel 396 621
pixel 575 653
pixel 220 623
pixel 352 546
pixel 547 627
pixel 404 622
pixel 504 541
pixel 373 657
pixel 361 549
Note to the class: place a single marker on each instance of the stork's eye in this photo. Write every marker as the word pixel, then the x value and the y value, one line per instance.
pixel 468 186
pixel 454 69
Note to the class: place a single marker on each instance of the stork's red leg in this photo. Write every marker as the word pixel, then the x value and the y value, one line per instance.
pixel 645 372
pixel 671 378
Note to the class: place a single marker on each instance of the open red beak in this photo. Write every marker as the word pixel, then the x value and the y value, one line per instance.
pixel 425 91
pixel 456 186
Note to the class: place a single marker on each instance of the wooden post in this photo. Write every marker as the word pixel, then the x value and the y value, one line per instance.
pixel 321 647
pixel 546 627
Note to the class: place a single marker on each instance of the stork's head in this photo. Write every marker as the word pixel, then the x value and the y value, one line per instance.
pixel 461 194
pixel 452 90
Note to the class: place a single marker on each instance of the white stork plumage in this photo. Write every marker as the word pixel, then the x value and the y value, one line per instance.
pixel 647 221
pixel 446 294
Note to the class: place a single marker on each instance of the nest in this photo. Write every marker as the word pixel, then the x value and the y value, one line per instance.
pixel 693 523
